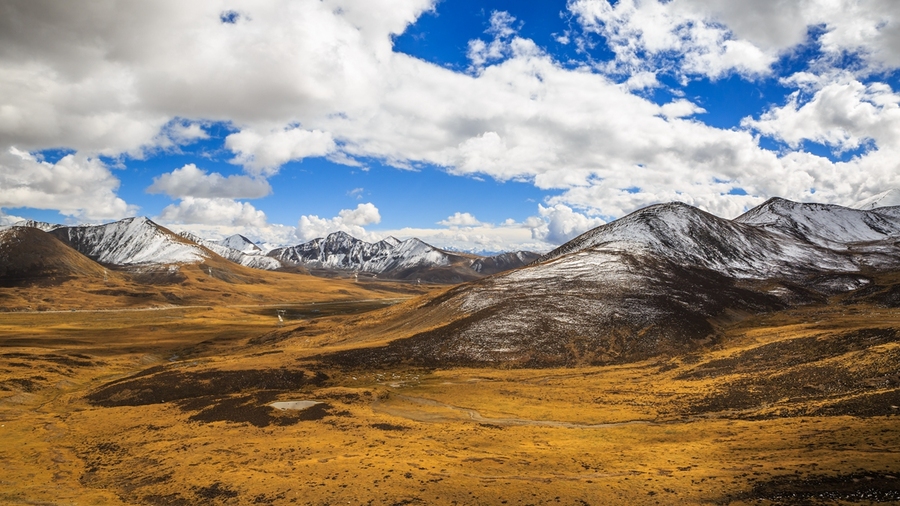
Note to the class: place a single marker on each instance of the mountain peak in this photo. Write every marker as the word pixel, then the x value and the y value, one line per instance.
pixel 888 198
pixel 130 241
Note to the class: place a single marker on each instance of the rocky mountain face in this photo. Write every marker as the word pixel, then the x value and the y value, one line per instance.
pixel 660 280
pixel 130 242
pixel 391 258
pixel 253 260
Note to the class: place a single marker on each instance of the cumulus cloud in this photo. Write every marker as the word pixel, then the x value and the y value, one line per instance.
pixel 460 220
pixel 351 221
pixel 306 78
pixel 714 37
pixel 645 34
pixel 213 211
pixel 265 153
pixel 76 185
pixel 841 115
pixel 9 219
pixel 562 224
pixel 191 181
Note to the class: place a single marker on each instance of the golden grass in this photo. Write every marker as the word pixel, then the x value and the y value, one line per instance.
pixel 625 434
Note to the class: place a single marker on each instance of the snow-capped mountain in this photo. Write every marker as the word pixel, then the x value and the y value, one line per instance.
pixel 889 198
pixel 242 244
pixel 392 258
pixel 132 241
pixel 658 280
pixel 255 261
pixel 40 225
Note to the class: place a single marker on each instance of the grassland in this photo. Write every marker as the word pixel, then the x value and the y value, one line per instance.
pixel 169 407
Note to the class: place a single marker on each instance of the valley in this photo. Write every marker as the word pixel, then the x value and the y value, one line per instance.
pixel 670 357
pixel 170 407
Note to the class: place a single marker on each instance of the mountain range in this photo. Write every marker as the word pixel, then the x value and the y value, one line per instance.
pixel 138 243
pixel 660 281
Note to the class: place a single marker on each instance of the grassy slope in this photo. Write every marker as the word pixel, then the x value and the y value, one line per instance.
pixel 793 406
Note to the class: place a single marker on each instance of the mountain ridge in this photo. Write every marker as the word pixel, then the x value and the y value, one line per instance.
pixel 663 278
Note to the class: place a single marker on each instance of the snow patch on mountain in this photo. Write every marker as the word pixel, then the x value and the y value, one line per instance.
pixel 255 261
pixel 132 241
pixel 826 225
pixel 889 198
pixel 41 225
pixel 242 244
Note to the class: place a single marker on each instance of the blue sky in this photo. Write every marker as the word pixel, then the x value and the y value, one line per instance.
pixel 480 126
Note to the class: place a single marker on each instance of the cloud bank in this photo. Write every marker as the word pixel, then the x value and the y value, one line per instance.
pixel 310 78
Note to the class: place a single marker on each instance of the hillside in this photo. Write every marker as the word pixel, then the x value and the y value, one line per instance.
pixel 661 281
pixel 28 255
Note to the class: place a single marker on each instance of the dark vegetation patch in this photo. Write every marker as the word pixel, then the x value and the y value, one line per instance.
pixel 100 456
pixel 251 408
pixel 880 295
pixel 793 352
pixel 869 404
pixel 214 491
pixel 23 384
pixel 159 384
pixel 317 412
pixel 70 360
pixel 268 499
pixel 263 353
pixel 846 391
pixel 174 499
pixel 389 427
pixel 856 488
pixel 122 293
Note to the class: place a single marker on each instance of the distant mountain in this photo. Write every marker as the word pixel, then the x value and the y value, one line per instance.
pixel 255 261
pixel 242 244
pixel 391 258
pixel 132 241
pixel 41 225
pixel 660 280
pixel 889 198
pixel 135 242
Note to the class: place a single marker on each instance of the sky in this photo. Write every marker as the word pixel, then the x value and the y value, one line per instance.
pixel 477 126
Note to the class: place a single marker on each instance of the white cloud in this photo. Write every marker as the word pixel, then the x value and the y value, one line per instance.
pixel 501 28
pixel 644 35
pixel 309 78
pixel 351 221
pixel 213 211
pixel 364 214
pixel 460 220
pixel 680 108
pixel 841 115
pixel 265 153
pixel 190 181
pixel 562 224
pixel 9 219
pixel 76 185
pixel 186 133
pixel 715 37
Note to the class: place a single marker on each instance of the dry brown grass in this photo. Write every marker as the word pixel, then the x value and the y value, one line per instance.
pixel 723 425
